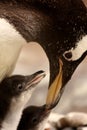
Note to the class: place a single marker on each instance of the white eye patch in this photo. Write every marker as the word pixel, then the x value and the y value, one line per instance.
pixel 75 53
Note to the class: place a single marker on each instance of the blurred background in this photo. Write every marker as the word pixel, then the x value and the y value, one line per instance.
pixel 74 98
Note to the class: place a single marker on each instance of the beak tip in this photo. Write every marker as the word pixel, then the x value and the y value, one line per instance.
pixel 32 80
pixel 41 72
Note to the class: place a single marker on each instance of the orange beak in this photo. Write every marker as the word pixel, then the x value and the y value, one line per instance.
pixel 54 89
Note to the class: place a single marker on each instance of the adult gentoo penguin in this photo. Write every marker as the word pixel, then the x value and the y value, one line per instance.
pixel 59 26
pixel 15 92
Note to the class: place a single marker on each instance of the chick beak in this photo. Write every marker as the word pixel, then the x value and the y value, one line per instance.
pixel 32 80
pixel 54 89
pixel 45 111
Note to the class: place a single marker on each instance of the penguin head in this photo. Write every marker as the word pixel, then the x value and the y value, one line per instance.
pixel 16 90
pixel 18 85
pixel 68 39
pixel 34 117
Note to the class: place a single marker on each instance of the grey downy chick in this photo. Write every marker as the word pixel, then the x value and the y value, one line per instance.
pixel 15 92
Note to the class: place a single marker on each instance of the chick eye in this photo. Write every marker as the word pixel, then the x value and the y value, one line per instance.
pixel 20 86
pixel 34 120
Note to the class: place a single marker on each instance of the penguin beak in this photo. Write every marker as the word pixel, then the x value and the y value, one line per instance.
pixel 54 89
pixel 44 112
pixel 32 80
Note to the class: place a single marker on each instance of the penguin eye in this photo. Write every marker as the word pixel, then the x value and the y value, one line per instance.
pixel 20 87
pixel 68 55
pixel 34 120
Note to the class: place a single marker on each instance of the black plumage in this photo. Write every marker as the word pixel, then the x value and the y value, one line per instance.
pixel 33 118
pixel 57 25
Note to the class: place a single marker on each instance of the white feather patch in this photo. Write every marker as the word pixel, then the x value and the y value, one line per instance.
pixel 78 51
pixel 11 43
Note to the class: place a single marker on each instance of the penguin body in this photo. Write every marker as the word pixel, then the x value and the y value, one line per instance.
pixel 15 92
pixel 59 26
pixel 10 46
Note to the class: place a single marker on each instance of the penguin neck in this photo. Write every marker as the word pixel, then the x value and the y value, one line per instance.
pixel 13 116
pixel 14 112
pixel 11 122
pixel 42 124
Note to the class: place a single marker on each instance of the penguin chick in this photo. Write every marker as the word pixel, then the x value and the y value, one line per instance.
pixel 15 92
pixel 34 118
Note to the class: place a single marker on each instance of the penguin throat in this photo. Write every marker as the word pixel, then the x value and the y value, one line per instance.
pixel 14 113
pixel 13 116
